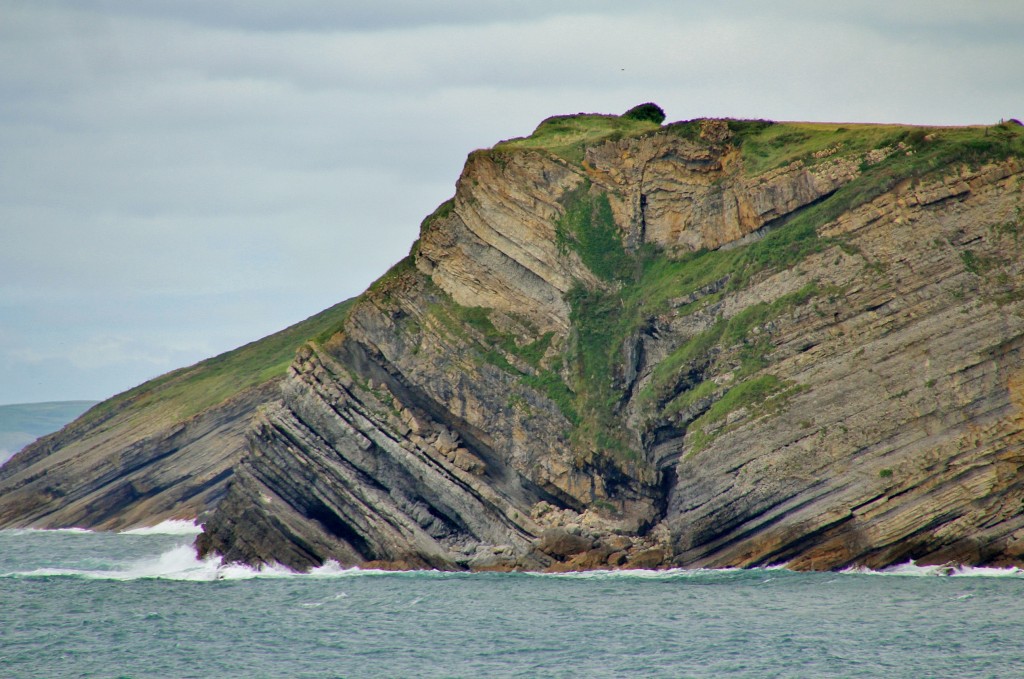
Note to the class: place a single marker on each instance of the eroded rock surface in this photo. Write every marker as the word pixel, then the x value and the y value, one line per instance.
pixel 650 357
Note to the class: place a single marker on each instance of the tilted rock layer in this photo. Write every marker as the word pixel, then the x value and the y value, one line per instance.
pixel 714 343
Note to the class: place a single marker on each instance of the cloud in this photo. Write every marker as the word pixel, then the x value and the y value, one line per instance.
pixel 182 177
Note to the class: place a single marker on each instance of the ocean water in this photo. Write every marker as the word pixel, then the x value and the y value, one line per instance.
pixel 139 604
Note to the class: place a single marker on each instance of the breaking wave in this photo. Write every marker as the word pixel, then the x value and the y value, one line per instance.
pixel 182 563
pixel 169 527
pixel 162 552
pixel 43 531
pixel 911 569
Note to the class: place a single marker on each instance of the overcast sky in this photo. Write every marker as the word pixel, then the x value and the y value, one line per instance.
pixel 180 177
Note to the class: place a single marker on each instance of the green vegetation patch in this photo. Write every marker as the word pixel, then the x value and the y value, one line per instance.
pixel 649 111
pixel 568 136
pixel 494 347
pixel 604 320
pixel 908 151
pixel 725 333
pixel 759 395
pixel 588 227
pixel 183 393
pixel 979 265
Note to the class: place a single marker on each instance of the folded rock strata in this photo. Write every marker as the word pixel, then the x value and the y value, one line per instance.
pixel 653 348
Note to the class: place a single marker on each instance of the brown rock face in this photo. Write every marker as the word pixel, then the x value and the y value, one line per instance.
pixel 716 343
pixel 904 440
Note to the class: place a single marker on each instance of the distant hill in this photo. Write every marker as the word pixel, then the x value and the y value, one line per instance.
pixel 23 423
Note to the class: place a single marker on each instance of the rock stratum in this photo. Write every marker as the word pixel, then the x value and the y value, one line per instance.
pixel 620 344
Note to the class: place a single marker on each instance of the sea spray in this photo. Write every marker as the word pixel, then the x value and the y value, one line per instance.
pixel 168 527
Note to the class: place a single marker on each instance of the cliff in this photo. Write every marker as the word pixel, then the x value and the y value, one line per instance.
pixel 621 344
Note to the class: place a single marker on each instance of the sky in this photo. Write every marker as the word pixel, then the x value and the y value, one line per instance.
pixel 180 177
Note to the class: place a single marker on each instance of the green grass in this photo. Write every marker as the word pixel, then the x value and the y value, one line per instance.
pixel 758 395
pixel 734 332
pixel 479 318
pixel 783 143
pixel 930 149
pixel 183 393
pixel 588 227
pixel 568 136
pixel 551 385
pixel 494 347
pixel 979 265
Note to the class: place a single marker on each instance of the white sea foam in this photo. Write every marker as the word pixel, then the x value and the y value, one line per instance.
pixel 643 574
pixel 179 563
pixel 182 563
pixel 168 527
pixel 29 531
pixel 911 569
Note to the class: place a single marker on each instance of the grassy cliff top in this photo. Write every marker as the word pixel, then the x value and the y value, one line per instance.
pixel 769 145
pixel 766 145
pixel 569 136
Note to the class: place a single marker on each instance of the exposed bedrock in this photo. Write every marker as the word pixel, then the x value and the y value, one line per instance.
pixel 709 344
pixel 117 472
pixel 895 433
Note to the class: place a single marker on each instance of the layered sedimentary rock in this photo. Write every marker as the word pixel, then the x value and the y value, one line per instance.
pixel 713 343
pixel 117 471
pixel 166 449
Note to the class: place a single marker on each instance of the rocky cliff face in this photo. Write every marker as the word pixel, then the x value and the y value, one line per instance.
pixel 714 343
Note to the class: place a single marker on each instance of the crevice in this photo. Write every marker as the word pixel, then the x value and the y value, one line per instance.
pixel 775 223
pixel 335 526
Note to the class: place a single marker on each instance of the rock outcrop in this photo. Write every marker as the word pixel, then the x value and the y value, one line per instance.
pixel 620 345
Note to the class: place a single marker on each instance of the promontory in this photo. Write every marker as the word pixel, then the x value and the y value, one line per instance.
pixel 620 344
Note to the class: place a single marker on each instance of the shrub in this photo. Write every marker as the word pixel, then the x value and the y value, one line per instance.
pixel 648 111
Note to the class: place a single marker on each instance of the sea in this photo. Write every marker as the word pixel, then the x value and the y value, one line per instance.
pixel 75 603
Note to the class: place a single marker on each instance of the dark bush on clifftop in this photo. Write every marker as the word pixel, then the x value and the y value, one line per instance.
pixel 646 111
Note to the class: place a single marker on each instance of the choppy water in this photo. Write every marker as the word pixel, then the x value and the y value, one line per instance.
pixel 80 604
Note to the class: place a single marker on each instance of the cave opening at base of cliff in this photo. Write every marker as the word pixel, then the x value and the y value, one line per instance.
pixel 337 527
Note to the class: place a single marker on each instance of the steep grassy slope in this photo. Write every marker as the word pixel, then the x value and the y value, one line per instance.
pixel 182 393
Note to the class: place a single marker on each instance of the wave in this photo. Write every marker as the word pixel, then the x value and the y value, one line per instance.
pixel 182 563
pixel 647 574
pixel 168 527
pixel 186 527
pixel 911 569
pixel 31 531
